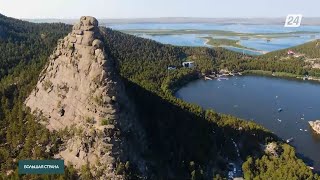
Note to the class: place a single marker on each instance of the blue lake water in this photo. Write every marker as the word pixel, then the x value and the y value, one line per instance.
pixel 258 98
pixel 178 40
pixel 196 40
pixel 206 26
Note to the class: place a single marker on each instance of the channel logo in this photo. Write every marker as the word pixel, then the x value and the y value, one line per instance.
pixel 41 167
pixel 293 20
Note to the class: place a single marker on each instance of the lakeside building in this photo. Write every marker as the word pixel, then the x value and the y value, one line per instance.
pixel 188 64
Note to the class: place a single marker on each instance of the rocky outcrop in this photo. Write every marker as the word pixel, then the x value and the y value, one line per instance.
pixel 315 126
pixel 272 149
pixel 79 92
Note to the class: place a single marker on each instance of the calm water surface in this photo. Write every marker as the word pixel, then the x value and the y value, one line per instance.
pixel 258 98
pixel 196 40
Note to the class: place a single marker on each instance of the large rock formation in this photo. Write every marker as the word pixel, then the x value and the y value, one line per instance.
pixel 315 126
pixel 79 92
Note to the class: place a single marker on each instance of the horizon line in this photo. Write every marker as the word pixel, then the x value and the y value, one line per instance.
pixel 129 18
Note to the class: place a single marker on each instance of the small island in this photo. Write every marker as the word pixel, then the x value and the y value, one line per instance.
pixel 225 42
pixel 315 126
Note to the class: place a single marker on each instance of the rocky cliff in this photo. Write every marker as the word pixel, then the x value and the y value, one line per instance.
pixel 80 93
pixel 315 126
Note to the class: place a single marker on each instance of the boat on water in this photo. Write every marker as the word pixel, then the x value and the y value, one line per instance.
pixel 280 110
pixel 289 140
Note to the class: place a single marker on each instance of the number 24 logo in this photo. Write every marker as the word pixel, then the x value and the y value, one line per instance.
pixel 293 20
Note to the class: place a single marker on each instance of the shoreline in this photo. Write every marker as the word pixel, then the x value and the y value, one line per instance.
pixel 206 43
pixel 282 75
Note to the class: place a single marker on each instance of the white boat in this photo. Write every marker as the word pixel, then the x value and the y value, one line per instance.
pixel 289 140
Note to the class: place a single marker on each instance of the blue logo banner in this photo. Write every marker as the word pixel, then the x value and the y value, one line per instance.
pixel 41 167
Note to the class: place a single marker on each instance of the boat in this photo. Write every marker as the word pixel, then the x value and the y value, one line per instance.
pixel 280 109
pixel 289 140
pixel 301 129
pixel 279 120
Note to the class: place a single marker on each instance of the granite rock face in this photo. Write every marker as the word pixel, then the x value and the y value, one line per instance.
pixel 80 91
pixel 315 126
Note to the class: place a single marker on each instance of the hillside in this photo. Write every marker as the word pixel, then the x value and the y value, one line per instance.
pixel 21 41
pixel 153 76
pixel 303 60
pixel 23 55
pixel 308 50
pixel 175 139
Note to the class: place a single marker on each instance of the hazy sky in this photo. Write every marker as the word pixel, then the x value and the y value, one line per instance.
pixel 157 8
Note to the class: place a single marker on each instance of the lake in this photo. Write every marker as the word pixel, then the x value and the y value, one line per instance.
pixel 258 98
pixel 260 44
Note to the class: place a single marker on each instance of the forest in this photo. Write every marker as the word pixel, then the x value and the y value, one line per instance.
pixel 153 77
pixel 25 48
pixel 187 142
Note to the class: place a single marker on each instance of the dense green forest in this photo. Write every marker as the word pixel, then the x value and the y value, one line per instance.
pixel 25 48
pixel 176 128
pixel 186 141
pixel 310 50
pixel 284 166
pixel 280 61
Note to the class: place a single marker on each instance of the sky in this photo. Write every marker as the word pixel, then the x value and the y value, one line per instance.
pixel 158 8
